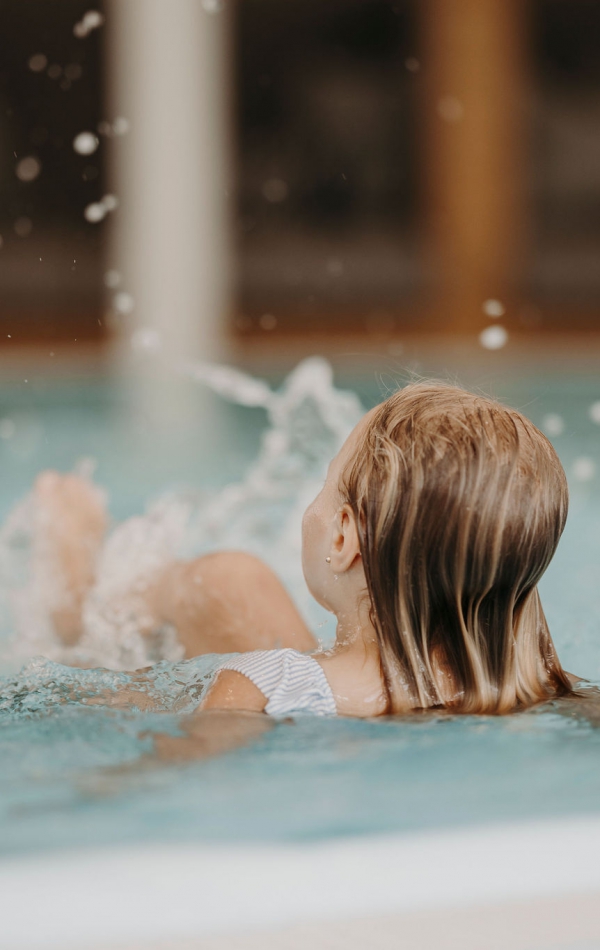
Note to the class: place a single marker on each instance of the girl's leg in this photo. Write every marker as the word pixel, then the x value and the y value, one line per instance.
pixel 71 523
pixel 227 602
pixel 221 603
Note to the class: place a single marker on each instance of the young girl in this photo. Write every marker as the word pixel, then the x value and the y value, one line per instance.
pixel 437 519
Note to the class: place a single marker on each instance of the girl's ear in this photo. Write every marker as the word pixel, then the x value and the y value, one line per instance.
pixel 345 547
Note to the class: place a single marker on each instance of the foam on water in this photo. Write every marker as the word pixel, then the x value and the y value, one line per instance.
pixel 308 421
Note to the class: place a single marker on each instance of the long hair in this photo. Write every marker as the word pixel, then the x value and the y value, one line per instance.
pixel 460 503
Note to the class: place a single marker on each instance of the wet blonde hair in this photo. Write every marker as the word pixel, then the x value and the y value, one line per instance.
pixel 460 503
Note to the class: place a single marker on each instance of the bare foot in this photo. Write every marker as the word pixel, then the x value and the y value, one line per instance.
pixel 70 527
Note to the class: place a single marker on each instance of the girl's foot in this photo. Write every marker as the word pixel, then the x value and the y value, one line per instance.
pixel 71 523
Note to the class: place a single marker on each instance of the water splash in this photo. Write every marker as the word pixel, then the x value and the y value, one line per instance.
pixel 43 685
pixel 308 420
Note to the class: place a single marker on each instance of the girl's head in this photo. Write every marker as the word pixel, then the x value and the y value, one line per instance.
pixel 448 506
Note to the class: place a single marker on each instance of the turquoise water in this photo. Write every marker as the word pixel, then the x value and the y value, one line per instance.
pixel 72 776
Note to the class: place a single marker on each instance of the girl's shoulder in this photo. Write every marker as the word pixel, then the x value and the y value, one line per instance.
pixel 231 689
pixel 281 682
pixel 356 683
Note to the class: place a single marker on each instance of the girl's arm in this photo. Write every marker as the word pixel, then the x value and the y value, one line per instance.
pixel 234 691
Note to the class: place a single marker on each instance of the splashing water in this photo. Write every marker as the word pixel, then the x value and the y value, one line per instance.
pixel 43 685
pixel 308 421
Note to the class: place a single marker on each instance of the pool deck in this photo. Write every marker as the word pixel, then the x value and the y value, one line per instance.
pixel 530 886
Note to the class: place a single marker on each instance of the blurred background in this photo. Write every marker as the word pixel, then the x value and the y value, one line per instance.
pixel 406 187
pixel 198 176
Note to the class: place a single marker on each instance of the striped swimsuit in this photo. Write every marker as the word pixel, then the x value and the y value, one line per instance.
pixel 291 682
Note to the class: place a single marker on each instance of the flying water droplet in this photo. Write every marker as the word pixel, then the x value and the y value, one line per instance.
pixel 94 212
pixel 450 109
pixel 89 22
pixel 120 126
pixel 112 279
pixel 275 190
pixel 7 428
pixel 86 143
pixel 493 309
pixel 584 468
pixel 110 202
pixel 37 63
pixel 493 338
pixel 123 303
pixel 28 168
pixel 145 340
pixel 553 424
pixel 23 226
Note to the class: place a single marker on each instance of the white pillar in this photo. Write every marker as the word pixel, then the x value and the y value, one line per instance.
pixel 167 66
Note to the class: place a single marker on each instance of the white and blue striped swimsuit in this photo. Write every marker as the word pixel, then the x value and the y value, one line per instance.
pixel 291 682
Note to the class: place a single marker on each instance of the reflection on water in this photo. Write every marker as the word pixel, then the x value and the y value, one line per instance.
pixel 88 776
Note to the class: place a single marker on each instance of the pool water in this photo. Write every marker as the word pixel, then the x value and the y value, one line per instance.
pixel 73 776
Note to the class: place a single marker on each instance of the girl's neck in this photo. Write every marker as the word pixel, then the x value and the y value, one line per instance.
pixel 356 634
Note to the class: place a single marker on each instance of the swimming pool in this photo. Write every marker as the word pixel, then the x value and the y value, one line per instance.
pixel 69 782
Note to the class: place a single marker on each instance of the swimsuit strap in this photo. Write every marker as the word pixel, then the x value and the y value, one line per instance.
pixel 291 681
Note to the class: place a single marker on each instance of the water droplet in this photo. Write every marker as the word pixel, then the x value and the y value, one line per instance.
pixel 493 309
pixel 7 428
pixel 450 109
pixel 120 126
pixel 94 212
pixel 28 168
pixel 73 71
pixel 553 424
pixel 86 143
pixel 594 412
pixel 38 62
pixel 493 338
pixel 110 202
pixel 145 340
pixel 55 71
pixel 268 321
pixel 275 190
pixel 93 19
pixel 23 226
pixel 584 468
pixel 112 279
pixel 123 302
pixel 90 21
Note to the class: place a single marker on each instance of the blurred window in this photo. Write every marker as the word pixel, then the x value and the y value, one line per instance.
pixel 50 93
pixel 565 174
pixel 327 186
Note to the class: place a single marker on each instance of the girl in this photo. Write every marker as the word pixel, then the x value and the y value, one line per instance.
pixel 437 519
